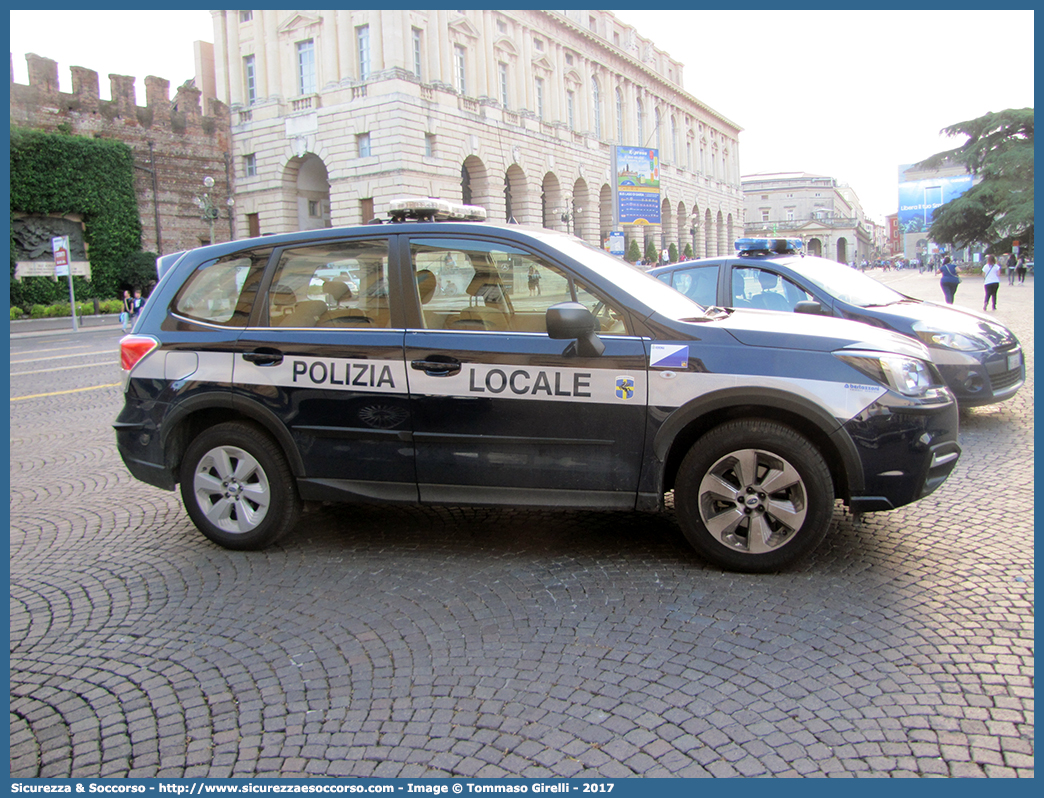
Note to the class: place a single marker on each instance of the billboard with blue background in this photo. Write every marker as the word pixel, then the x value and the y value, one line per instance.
pixel 918 199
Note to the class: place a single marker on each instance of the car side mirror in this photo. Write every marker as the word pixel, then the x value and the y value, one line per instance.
pixel 571 320
pixel 808 306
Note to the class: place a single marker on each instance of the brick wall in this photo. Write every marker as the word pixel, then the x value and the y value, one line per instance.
pixel 175 144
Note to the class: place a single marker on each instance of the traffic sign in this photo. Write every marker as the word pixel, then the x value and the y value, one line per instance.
pixel 60 247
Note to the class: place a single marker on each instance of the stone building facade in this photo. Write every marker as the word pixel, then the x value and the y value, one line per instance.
pixel 175 145
pixel 826 215
pixel 335 112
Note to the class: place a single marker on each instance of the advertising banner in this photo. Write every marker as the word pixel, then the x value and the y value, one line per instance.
pixel 918 199
pixel 638 185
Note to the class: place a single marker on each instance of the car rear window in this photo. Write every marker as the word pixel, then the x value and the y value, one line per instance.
pixel 222 291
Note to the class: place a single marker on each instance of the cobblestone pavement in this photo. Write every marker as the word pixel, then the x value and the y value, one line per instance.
pixel 460 642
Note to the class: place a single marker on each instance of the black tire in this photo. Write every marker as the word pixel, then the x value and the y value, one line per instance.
pixel 754 496
pixel 237 487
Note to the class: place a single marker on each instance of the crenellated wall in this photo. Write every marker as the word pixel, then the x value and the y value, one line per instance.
pixel 175 144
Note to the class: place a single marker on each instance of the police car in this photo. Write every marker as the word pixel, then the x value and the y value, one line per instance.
pixel 980 359
pixel 448 376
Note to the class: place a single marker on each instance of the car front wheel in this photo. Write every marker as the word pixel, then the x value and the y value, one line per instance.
pixel 754 496
pixel 238 488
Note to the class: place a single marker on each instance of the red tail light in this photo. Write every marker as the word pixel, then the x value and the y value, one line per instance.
pixel 133 348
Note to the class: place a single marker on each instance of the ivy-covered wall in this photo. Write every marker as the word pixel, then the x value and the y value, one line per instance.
pixel 63 174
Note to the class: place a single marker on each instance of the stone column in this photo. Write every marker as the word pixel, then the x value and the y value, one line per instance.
pixel 85 87
pixel 157 98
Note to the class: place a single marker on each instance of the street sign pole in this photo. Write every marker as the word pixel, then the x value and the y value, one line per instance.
pixel 60 247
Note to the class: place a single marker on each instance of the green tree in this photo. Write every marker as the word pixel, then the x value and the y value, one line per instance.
pixel 997 210
pixel 688 252
pixel 634 252
pixel 652 254
pixel 672 252
pixel 139 270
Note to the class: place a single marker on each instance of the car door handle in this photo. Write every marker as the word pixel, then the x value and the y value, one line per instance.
pixel 437 368
pixel 264 357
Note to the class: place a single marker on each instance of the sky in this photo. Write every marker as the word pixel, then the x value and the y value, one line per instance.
pixel 848 94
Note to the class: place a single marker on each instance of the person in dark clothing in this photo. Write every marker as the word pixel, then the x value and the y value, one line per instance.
pixel 1020 269
pixel 949 280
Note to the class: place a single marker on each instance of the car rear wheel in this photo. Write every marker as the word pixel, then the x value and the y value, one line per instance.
pixel 238 488
pixel 754 496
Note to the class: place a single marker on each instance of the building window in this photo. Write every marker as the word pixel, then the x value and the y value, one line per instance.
pixel 538 44
pixel 592 23
pixel 501 26
pixel 250 76
pixel 790 214
pixel 362 38
pixel 366 209
pixel 764 215
pixel 641 124
pixel 657 132
pixel 246 16
pixel 314 209
pixel 502 72
pixel 674 141
pixel 569 59
pixel 250 165
pixel 306 67
pixel 619 116
pixel 540 98
pixel 429 145
pixel 363 142
pixel 571 109
pixel 417 52
pixel 253 224
pixel 597 98
pixel 616 38
pixel 460 68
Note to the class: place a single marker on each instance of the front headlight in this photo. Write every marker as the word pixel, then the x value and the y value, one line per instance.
pixel 933 336
pixel 909 376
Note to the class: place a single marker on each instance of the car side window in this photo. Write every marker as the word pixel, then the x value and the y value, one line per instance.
pixel 699 284
pixel 344 284
pixel 222 291
pixel 760 288
pixel 478 285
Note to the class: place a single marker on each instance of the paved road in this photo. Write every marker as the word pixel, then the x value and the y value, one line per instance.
pixel 449 642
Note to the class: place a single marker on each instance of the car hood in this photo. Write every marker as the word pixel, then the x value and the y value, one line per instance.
pixel 903 315
pixel 815 333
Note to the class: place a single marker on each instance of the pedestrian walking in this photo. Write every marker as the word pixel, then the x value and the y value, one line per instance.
pixel 1011 265
pixel 1020 269
pixel 137 303
pixel 127 311
pixel 534 281
pixel 949 280
pixel 991 281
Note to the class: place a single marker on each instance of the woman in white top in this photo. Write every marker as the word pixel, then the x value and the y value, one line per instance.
pixel 991 271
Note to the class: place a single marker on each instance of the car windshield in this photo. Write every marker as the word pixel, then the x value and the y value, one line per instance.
pixel 845 283
pixel 647 290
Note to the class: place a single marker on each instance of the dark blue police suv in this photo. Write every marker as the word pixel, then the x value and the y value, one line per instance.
pixel 436 360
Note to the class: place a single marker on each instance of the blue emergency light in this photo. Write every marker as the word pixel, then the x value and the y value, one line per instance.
pixel 768 246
